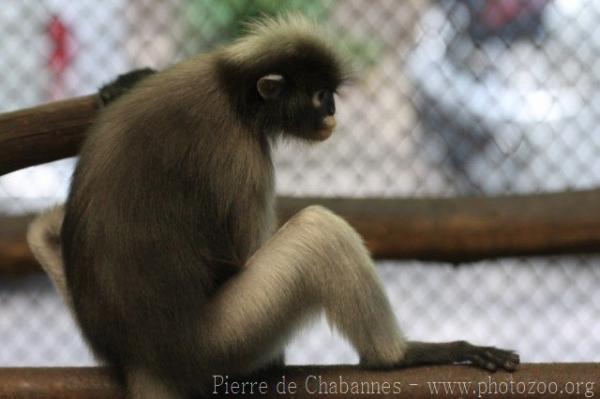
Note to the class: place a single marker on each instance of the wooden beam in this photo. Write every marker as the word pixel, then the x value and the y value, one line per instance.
pixel 15 257
pixel 563 380
pixel 44 133
pixel 450 229
pixel 470 228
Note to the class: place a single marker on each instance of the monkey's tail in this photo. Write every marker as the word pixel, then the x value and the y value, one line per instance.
pixel 43 237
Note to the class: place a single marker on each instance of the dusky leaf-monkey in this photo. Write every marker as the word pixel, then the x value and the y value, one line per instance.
pixel 172 265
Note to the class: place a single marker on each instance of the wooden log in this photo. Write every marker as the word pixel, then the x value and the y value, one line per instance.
pixel 44 133
pixel 470 228
pixel 453 230
pixel 558 380
pixel 15 257
pixel 450 229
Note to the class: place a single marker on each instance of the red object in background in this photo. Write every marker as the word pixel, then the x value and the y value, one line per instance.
pixel 497 13
pixel 60 54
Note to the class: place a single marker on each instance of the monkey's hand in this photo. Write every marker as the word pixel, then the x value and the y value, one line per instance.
pixel 123 83
pixel 485 357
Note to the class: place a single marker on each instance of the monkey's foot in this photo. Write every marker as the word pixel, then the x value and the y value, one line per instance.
pixel 487 357
pixel 484 357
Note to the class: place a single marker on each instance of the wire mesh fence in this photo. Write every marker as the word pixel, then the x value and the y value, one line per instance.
pixel 450 97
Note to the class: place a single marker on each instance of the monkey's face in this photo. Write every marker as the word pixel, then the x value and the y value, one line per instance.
pixel 306 111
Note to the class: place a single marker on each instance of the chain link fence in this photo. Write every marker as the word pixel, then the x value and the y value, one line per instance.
pixel 451 97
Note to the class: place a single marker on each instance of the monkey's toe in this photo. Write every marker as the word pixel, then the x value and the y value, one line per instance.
pixel 492 359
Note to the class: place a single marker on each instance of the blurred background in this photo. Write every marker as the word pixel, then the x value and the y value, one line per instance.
pixel 452 97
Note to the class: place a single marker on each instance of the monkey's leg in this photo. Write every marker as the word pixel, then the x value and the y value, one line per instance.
pixel 43 236
pixel 315 261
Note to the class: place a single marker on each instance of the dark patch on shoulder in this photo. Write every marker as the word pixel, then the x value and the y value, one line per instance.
pixel 122 84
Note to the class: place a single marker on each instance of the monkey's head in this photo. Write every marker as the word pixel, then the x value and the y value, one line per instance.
pixel 282 78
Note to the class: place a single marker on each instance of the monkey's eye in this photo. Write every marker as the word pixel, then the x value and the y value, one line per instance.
pixel 319 97
pixel 270 86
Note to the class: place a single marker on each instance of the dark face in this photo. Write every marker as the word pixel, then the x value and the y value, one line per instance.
pixel 305 111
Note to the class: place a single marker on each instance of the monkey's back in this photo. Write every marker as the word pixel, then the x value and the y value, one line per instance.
pixel 169 198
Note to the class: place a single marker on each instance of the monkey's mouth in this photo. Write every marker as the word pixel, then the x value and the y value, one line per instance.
pixel 327 126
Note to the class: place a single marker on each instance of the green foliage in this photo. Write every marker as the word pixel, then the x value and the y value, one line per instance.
pixel 220 20
pixel 363 52
pixel 216 21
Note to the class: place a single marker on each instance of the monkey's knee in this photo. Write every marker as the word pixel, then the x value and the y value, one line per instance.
pixel 334 248
pixel 311 214
pixel 318 221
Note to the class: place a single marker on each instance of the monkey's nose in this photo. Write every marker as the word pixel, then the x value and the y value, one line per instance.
pixel 323 100
pixel 329 103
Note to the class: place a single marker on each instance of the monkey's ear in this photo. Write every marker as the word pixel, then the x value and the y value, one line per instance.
pixel 270 86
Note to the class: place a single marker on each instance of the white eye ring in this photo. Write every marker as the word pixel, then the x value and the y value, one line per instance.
pixel 270 86
pixel 317 99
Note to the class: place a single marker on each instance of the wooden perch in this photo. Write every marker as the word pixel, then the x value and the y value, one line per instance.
pixel 536 380
pixel 470 228
pixel 15 256
pixel 451 229
pixel 45 133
